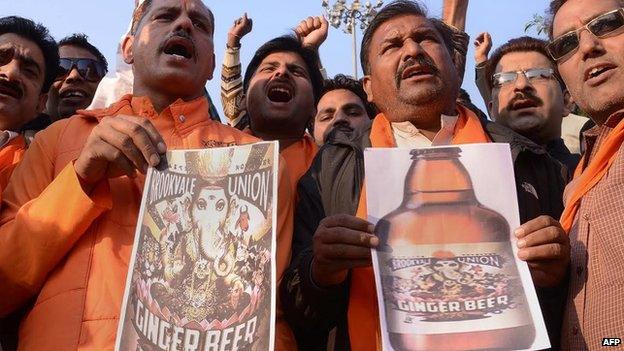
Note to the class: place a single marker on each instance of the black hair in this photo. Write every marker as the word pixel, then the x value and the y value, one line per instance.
pixel 396 9
pixel 82 41
pixel 340 81
pixel 522 44
pixel 39 35
pixel 288 43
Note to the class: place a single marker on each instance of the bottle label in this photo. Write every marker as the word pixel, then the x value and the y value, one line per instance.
pixel 454 288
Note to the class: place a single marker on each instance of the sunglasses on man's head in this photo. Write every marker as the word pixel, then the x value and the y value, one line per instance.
pixel 600 26
pixel 90 70
pixel 532 75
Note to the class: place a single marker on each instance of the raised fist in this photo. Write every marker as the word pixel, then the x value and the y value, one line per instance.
pixel 312 31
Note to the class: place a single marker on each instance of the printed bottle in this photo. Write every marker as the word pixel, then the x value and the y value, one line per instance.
pixel 449 279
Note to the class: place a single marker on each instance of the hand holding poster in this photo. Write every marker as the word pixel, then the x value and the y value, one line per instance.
pixel 446 269
pixel 202 273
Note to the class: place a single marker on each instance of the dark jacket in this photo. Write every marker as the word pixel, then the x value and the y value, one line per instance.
pixel 332 186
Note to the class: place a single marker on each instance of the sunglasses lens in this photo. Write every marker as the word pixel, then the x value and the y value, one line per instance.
pixel 65 66
pixel 88 70
pixel 606 24
pixel 563 45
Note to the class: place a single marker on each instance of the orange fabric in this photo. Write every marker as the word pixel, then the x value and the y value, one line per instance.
pixel 299 157
pixel 586 179
pixel 10 155
pixel 71 250
pixel 363 314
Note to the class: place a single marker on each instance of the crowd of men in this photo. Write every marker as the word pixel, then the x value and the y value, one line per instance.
pixel 72 170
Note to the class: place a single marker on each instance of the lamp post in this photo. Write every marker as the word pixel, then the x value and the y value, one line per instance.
pixel 341 14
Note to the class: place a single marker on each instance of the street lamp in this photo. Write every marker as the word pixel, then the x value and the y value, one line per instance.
pixel 349 15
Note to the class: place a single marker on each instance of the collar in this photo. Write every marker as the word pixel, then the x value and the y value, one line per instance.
pixel 6 137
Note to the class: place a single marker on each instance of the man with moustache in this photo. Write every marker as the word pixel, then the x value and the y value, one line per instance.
pixel 69 212
pixel 587 41
pixel 343 105
pixel 28 61
pixel 411 78
pixel 282 85
pixel 82 67
pixel 529 97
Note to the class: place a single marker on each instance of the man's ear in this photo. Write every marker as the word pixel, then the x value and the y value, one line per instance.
pixel 489 107
pixel 41 104
pixel 366 82
pixel 568 103
pixel 127 49
pixel 213 67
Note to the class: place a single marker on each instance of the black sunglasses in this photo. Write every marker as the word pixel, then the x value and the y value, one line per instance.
pixel 600 26
pixel 90 70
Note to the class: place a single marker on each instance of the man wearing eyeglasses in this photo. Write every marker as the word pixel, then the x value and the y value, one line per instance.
pixel 529 97
pixel 82 67
pixel 587 41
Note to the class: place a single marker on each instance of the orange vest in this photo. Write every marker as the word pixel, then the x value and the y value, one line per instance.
pixel 10 156
pixel 363 314
pixel 71 250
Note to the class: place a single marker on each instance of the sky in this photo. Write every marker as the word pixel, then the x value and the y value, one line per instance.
pixel 105 21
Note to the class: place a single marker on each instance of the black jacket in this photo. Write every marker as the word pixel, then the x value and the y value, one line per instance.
pixel 332 186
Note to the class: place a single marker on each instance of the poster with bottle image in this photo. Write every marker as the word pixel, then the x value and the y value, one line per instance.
pixel 202 272
pixel 446 270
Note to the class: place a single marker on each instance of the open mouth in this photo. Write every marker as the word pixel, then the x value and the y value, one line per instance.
pixel 179 47
pixel 10 89
pixel 73 94
pixel 415 71
pixel 598 71
pixel 522 104
pixel 280 92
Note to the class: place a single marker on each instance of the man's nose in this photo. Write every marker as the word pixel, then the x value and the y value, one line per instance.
pixel 184 22
pixel 522 83
pixel 411 49
pixel 281 71
pixel 73 76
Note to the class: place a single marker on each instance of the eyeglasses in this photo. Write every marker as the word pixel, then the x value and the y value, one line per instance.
pixel 90 70
pixel 600 27
pixel 532 75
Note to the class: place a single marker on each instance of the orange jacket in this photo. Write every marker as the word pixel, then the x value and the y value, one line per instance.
pixel 71 250
pixel 10 155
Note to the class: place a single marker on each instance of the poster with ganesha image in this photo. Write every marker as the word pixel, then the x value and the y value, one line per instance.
pixel 202 275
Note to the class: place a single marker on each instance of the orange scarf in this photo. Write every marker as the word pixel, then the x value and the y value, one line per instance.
pixel 10 155
pixel 363 314
pixel 584 180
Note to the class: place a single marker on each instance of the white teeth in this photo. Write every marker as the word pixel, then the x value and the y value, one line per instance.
pixel 594 71
pixel 75 94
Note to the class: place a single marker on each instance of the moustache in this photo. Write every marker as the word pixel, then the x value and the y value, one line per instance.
pixel 180 34
pixel 420 60
pixel 11 87
pixel 524 96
